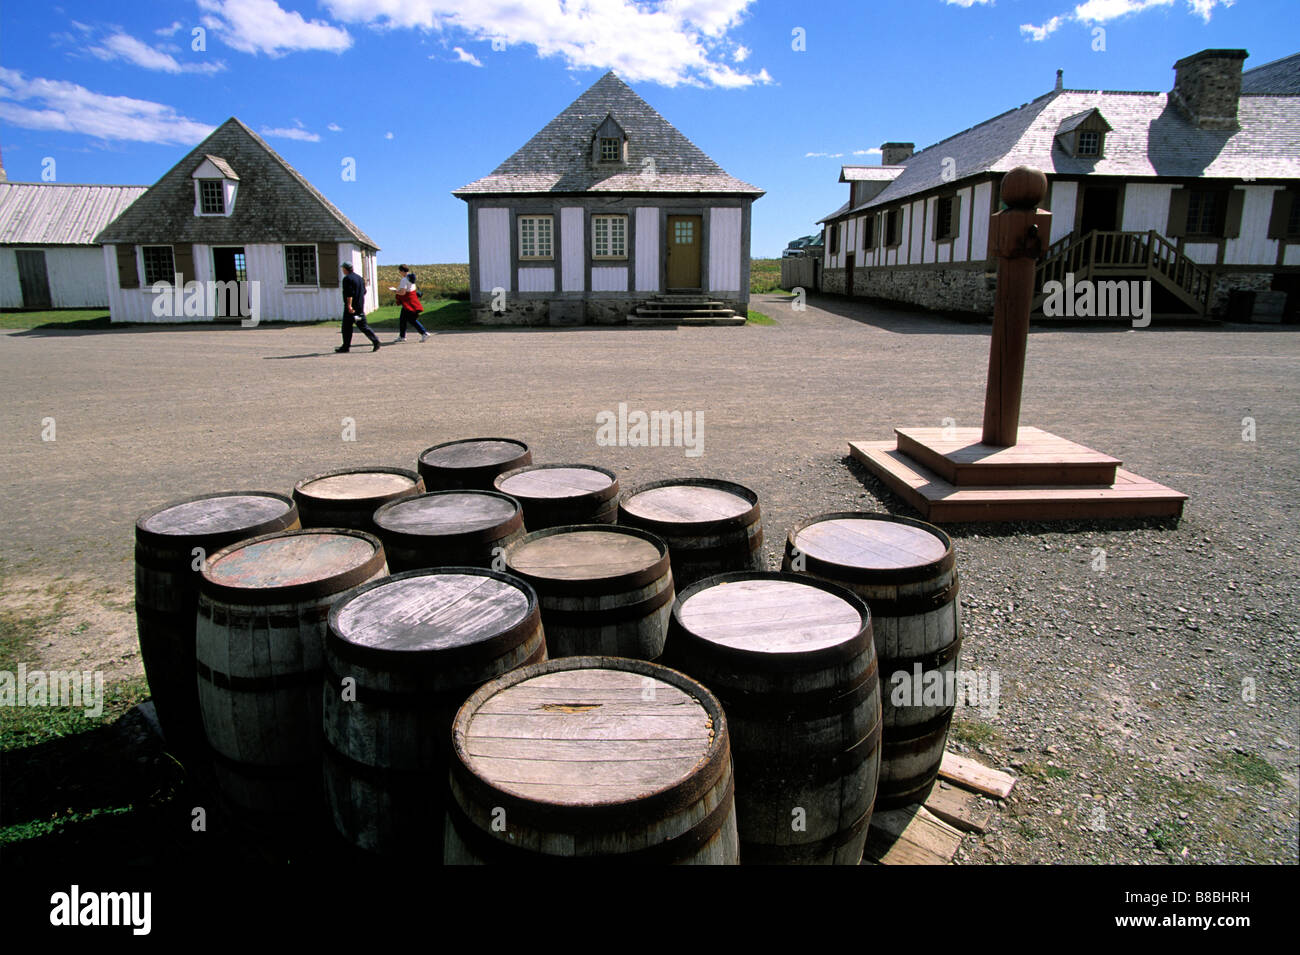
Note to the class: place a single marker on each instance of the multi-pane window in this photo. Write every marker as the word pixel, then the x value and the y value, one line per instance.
pixel 535 237
pixel 609 237
pixel 684 232
pixel 1205 211
pixel 300 265
pixel 212 198
pixel 943 218
pixel 833 231
pixel 611 149
pixel 891 227
pixel 158 264
pixel 869 233
pixel 1089 143
pixel 241 267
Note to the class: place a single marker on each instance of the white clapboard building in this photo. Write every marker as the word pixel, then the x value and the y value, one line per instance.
pixel 608 213
pixel 1196 189
pixel 232 212
pixel 48 254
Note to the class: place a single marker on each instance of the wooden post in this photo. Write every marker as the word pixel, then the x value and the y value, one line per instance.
pixel 1018 236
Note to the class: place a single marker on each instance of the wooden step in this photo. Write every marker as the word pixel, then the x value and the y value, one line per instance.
pixel 671 320
pixel 959 456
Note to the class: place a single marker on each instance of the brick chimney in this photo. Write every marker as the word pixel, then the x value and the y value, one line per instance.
pixel 891 154
pixel 1207 86
pixel 1060 79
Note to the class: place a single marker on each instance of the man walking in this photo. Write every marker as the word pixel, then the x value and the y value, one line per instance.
pixel 354 308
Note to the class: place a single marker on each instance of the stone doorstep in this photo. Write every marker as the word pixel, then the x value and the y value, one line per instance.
pixel 686 320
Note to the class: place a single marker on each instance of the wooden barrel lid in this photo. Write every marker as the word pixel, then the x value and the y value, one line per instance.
pixel 357 484
pixel 866 544
pixel 571 558
pixel 444 513
pixel 572 739
pixel 229 515
pixel 293 565
pixel 552 481
pixel 688 503
pixel 438 615
pixel 473 453
pixel 775 616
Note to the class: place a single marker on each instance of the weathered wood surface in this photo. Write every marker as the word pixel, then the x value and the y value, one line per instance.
pixel 471 463
pixel 960 456
pixel 448 528
pixel 873 544
pixel 969 773
pixel 291 559
pixel 911 836
pixel 958 807
pixel 167 594
pixel 602 590
pixel 349 497
pixel 794 664
pixel 556 494
pixel 413 647
pixel 591 757
pixel 710 526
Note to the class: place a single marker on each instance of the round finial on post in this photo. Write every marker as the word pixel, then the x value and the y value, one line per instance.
pixel 1024 188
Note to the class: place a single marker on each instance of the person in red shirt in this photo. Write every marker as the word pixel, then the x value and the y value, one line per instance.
pixel 408 296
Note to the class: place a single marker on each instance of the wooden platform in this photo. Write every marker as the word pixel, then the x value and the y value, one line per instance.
pixel 931 834
pixel 950 477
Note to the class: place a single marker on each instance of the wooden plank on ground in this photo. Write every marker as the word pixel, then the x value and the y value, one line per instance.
pixel 959 807
pixel 972 775
pixel 911 836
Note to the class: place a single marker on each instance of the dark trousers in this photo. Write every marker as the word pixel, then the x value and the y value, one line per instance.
pixel 361 324
pixel 412 317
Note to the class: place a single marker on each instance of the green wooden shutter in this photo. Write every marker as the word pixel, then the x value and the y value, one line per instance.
pixel 328 255
pixel 1177 224
pixel 1282 200
pixel 1232 219
pixel 128 276
pixel 183 260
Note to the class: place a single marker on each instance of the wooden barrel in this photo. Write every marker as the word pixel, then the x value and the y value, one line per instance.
pixel 401 656
pixel 595 759
pixel 556 494
pixel 710 526
pixel 448 529
pixel 260 634
pixel 603 589
pixel 793 662
pixel 349 497
pixel 172 543
pixel 906 572
pixel 471 463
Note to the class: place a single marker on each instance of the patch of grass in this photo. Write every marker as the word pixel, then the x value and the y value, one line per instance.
pixel 1028 831
pixel 432 281
pixel 758 318
pixel 973 732
pixel 22 726
pixel 764 275
pixel 439 313
pixel 1165 836
pixel 35 828
pixel 63 319
pixel 1248 768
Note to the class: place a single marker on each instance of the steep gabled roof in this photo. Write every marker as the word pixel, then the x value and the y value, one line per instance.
pixel 558 159
pixel 1279 77
pixel 274 202
pixel 49 213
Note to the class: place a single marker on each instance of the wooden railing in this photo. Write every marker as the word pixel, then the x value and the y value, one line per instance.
pixel 1139 254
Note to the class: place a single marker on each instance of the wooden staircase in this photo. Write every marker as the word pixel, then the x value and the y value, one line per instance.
pixel 1104 255
pixel 683 308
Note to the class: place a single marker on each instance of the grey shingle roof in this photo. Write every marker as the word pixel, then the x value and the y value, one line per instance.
pixel 869 173
pixel 48 213
pixel 558 159
pixel 274 202
pixel 1149 137
pixel 223 166
pixel 1280 76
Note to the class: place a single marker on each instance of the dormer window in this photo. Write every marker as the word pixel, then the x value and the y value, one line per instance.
pixel 212 198
pixel 215 186
pixel 1083 135
pixel 609 146
pixel 1089 143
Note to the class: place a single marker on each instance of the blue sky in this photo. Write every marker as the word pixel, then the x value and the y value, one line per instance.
pixel 427 95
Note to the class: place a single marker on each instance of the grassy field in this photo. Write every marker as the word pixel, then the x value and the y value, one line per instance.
pixel 764 275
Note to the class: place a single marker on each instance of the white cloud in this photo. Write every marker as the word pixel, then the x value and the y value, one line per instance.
pixel 168 31
pixel 296 131
pixel 1041 33
pixel 334 128
pixel 822 155
pixel 388 135
pixel 740 54
pixel 261 26
pixel 965 3
pixel 669 42
pixel 38 103
pixel 463 57
pixel 867 152
pixel 1203 8
pixel 121 46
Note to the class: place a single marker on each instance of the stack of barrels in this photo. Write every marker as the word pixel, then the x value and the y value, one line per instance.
pixel 469 660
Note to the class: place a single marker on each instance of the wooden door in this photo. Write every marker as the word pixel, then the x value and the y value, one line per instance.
pixel 1100 209
pixel 33 279
pixel 848 273
pixel 684 239
pixel 229 265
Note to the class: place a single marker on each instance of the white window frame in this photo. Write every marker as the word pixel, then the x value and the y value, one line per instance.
pixel 550 238
pixel 595 244
pixel 315 257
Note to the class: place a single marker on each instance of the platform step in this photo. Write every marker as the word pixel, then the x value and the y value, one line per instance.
pixel 671 320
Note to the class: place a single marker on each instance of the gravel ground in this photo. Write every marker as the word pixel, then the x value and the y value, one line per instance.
pixel 1148 702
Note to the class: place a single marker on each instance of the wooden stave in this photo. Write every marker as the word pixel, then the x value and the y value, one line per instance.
pixel 593 507
pixel 283 777
pixel 702 549
pixel 827 704
pixel 166 600
pixel 705 799
pixel 478 478
pixel 356 513
pixel 415 702
pixel 476 548
pixel 624 615
pixel 902 601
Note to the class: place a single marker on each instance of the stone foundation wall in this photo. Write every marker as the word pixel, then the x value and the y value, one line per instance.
pixel 600 311
pixel 942 290
pixel 1225 283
